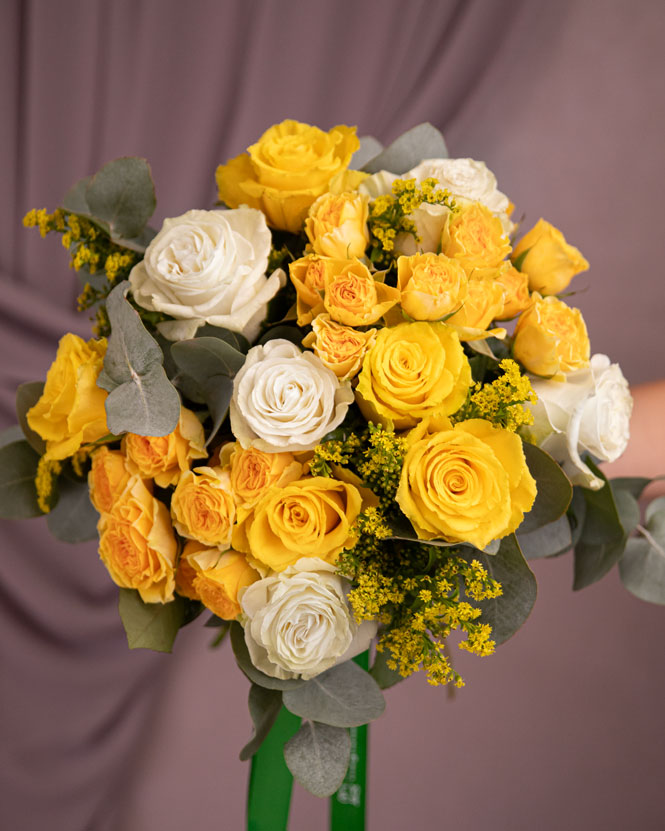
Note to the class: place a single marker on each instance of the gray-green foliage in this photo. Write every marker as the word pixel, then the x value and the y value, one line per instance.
pixel 381 672
pixel 264 707
pixel 642 566
pixel 18 467
pixel 141 398
pixel 554 489
pixel 318 757
pixel 151 625
pixel 74 519
pixel 27 395
pixel 421 142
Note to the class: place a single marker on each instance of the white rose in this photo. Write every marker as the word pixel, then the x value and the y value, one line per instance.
pixel 298 622
pixel 467 178
pixel 285 399
pixel 590 411
pixel 208 267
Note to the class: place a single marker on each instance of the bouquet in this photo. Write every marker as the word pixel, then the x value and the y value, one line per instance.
pixel 337 414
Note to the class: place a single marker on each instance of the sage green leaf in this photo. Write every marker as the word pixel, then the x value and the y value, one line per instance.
pixel 507 613
pixel 235 339
pixel 122 195
pixel 381 672
pixel 343 696
pixel 517 262
pixel 421 142
pixel 18 468
pixel 150 625
pixel 642 567
pixel 290 333
pixel 27 395
pixel 370 147
pixel 633 484
pixel 554 489
pixel 11 435
pixel 207 367
pixel 74 518
pixel 318 757
pixel 75 200
pixel 141 398
pixel 264 707
pixel 250 671
pixel 549 541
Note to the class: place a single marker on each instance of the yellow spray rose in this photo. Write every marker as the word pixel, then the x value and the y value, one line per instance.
pixel 253 471
pixel 483 303
pixel 336 225
pixel 431 285
pixel 414 370
pixel 341 348
pixel 137 544
pixel 475 237
pixel 288 168
pixel 109 474
pixel 164 458
pixel 551 338
pixel 356 297
pixel 202 506
pixel 550 262
pixel 312 517
pixel 467 483
pixel 71 411
pixel 308 275
pixel 515 285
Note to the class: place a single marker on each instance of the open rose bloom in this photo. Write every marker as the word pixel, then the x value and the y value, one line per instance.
pixel 335 415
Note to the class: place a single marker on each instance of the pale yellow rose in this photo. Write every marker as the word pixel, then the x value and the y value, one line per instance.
pixel 164 458
pixel 550 262
pixel 336 225
pixel 311 517
pixel 551 338
pixel 469 483
pixel 356 297
pixel 137 544
pixel 253 471
pixel 202 506
pixel 71 410
pixel 341 348
pixel 475 237
pixel 308 275
pixel 483 303
pixel 413 370
pixel 288 168
pixel 515 285
pixel 109 474
pixel 431 285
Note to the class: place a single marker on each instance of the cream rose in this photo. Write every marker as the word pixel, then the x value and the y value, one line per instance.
pixel 590 411
pixel 285 399
pixel 298 622
pixel 208 267
pixel 467 178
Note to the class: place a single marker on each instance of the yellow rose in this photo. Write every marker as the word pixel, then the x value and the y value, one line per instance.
pixel 515 285
pixel 414 370
pixel 483 303
pixel 71 411
pixel 288 168
pixel 355 297
pixel 308 275
pixel 312 517
pixel 550 262
pixel 253 471
pixel 474 237
pixel 551 338
pixel 137 544
pixel 469 483
pixel 336 225
pixel 218 587
pixel 431 285
pixel 164 458
pixel 341 348
pixel 108 477
pixel 202 506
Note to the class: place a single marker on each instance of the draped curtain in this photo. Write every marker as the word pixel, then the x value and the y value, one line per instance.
pixel 563 727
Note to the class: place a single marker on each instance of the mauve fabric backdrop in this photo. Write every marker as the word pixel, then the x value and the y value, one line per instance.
pixel 563 728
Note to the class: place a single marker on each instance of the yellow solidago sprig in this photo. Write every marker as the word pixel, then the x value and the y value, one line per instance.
pixel 380 463
pixel 502 400
pixel 46 477
pixel 389 215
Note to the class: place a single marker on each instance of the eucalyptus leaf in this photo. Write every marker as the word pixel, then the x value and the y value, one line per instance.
pixel 509 611
pixel 369 149
pixel 74 518
pixel 290 333
pixel 255 675
pixel 122 195
pixel 554 490
pixel 642 567
pixel 75 200
pixel 27 395
pixel 343 696
pixel 18 468
pixel 318 757
pixel 381 672
pixel 151 625
pixel 11 435
pixel 141 398
pixel 549 541
pixel 264 707
pixel 421 142
pixel 635 485
pixel 235 339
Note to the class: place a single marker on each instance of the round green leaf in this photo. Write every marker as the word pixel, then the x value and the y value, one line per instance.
pixel 318 757
pixel 18 468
